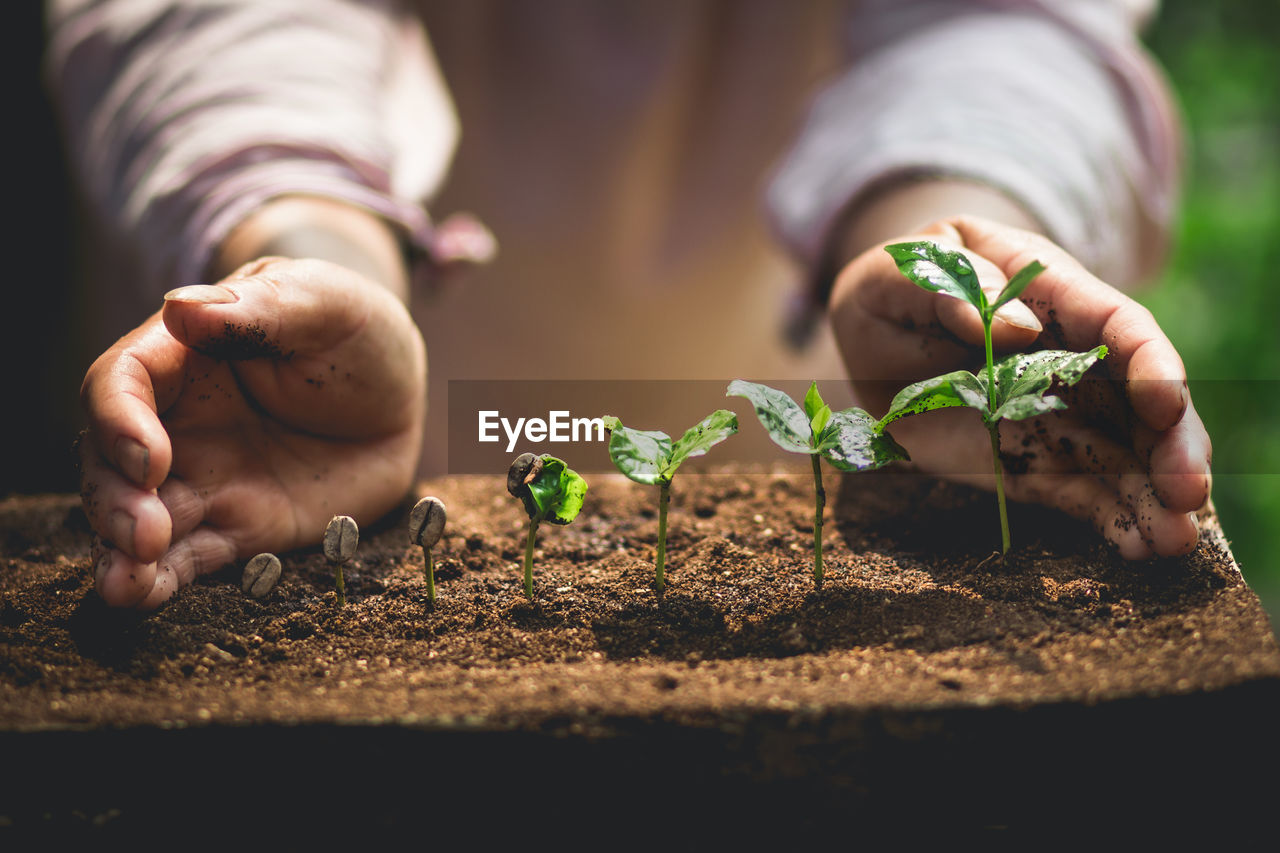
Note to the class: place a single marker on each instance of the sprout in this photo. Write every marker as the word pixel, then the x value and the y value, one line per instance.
pixel 1015 388
pixel 550 491
pixel 652 458
pixel 260 575
pixel 426 524
pixel 849 440
pixel 340 540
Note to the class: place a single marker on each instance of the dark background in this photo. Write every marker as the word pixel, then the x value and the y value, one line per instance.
pixel 1219 299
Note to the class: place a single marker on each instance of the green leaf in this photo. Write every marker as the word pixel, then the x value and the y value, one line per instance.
pixel 960 388
pixel 853 442
pixel 1017 284
pixel 939 270
pixel 639 454
pixel 816 408
pixel 784 420
pixel 1026 374
pixel 712 430
pixel 558 491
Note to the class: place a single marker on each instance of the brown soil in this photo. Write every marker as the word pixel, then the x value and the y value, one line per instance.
pixel 922 673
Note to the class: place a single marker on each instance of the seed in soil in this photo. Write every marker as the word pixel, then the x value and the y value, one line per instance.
pixel 260 575
pixel 340 540
pixel 426 525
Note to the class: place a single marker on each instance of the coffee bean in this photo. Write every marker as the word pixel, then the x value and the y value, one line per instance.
pixel 426 522
pixel 340 539
pixel 260 575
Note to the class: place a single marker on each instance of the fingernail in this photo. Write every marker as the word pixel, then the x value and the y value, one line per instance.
pixel 123 529
pixel 1019 316
pixel 133 459
pixel 201 294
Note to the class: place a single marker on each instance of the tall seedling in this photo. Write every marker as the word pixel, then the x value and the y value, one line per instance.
pixel 1014 388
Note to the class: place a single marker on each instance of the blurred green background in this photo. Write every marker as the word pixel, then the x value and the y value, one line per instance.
pixel 1219 299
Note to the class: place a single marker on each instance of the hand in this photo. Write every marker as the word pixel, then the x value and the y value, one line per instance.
pixel 241 417
pixel 1131 456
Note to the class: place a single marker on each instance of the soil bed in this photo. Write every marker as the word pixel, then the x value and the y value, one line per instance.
pixel 983 691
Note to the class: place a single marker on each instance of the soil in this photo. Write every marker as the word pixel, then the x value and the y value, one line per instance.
pixel 926 677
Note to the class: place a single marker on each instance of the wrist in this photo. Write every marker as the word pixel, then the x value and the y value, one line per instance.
pixel 905 207
pixel 321 228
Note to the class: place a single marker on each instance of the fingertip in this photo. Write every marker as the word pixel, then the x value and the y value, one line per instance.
pixel 152 530
pixel 120 580
pixel 1125 534
pixel 1174 534
pixel 165 586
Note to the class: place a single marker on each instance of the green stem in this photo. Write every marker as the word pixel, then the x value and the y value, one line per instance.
pixel 664 498
pixel 1004 514
pixel 994 431
pixel 342 587
pixel 528 557
pixel 429 569
pixel 820 503
pixel 991 370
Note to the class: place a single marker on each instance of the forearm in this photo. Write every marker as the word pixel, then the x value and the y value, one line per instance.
pixel 313 227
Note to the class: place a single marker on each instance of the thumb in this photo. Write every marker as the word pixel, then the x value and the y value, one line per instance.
pixel 1014 326
pixel 269 309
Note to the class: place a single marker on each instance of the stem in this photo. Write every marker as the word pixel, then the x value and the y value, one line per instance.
pixel 342 587
pixel 994 430
pixel 991 370
pixel 528 557
pixel 429 569
pixel 820 502
pixel 664 498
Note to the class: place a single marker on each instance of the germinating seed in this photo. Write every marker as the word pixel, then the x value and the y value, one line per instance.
pixel 260 575
pixel 426 521
pixel 523 471
pixel 340 539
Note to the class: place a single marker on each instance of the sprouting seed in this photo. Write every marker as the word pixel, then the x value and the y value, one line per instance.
pixel 550 491
pixel 260 575
pixel 426 525
pixel 340 540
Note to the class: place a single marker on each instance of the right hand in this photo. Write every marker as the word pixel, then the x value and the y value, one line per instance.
pixel 1131 456
pixel 244 415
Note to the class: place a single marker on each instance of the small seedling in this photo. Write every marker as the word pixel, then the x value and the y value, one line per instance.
pixel 651 458
pixel 849 440
pixel 260 575
pixel 426 524
pixel 340 540
pixel 1015 388
pixel 551 491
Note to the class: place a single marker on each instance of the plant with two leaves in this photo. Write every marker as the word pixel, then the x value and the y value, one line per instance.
pixel 550 491
pixel 849 440
pixel 652 458
pixel 1014 388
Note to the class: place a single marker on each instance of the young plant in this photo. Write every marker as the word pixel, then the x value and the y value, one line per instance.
pixel 340 540
pixel 551 491
pixel 652 458
pixel 849 440
pixel 426 525
pixel 1014 388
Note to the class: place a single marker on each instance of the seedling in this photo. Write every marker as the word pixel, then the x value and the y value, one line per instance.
pixel 1014 388
pixel 849 440
pixel 426 524
pixel 651 458
pixel 551 491
pixel 340 540
pixel 260 575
